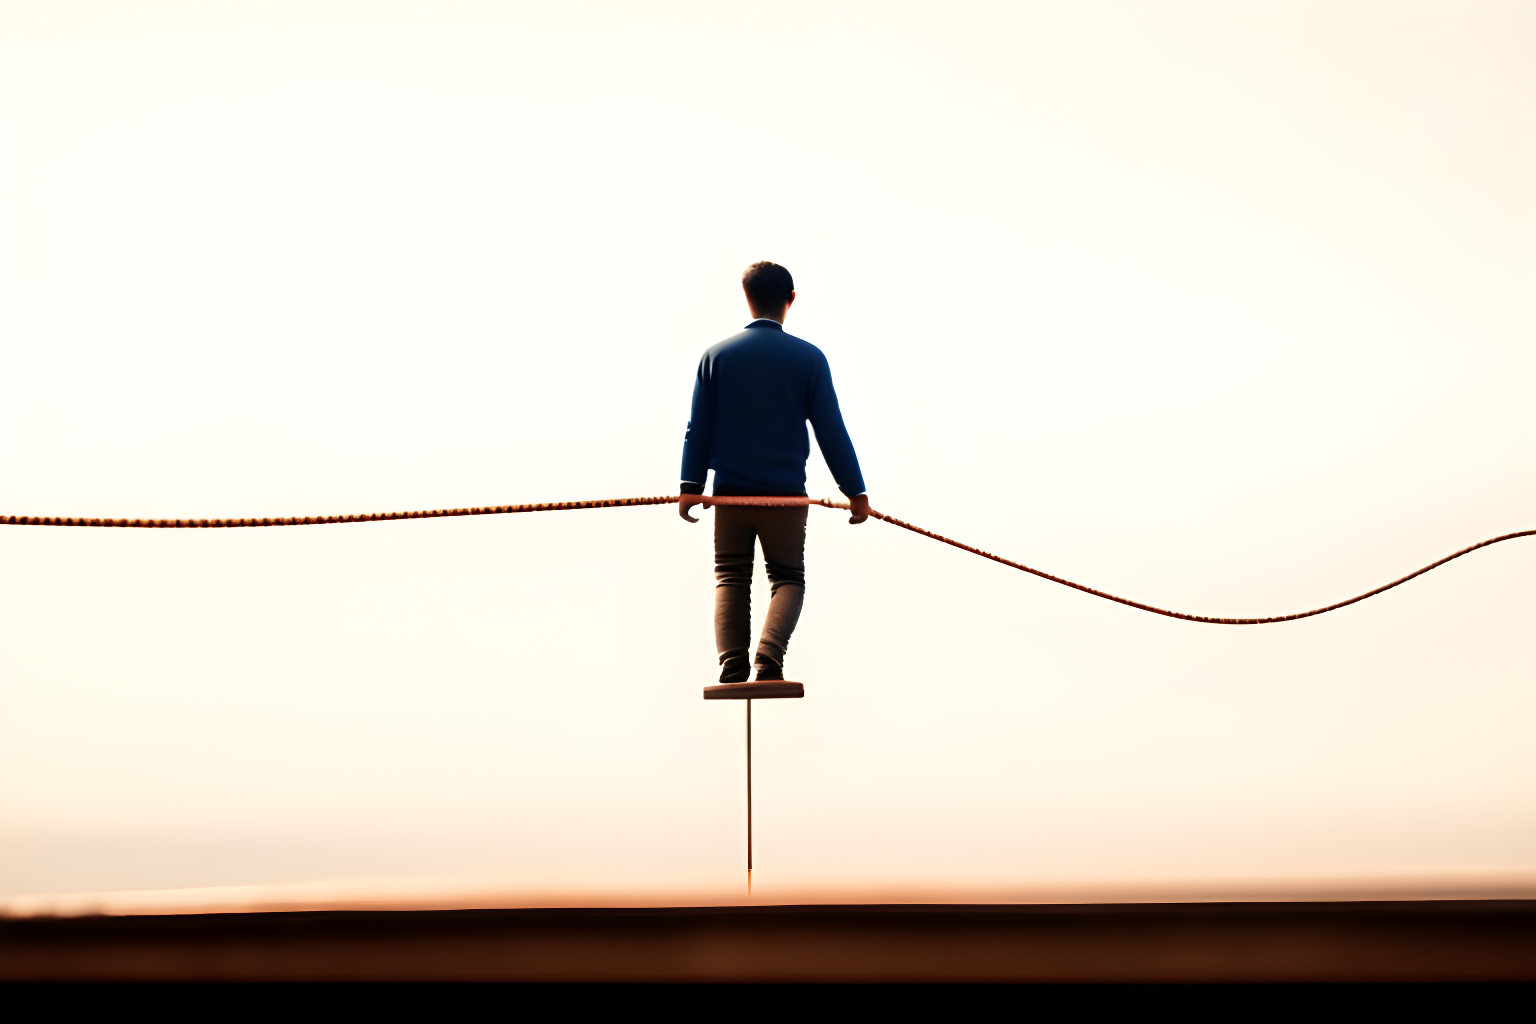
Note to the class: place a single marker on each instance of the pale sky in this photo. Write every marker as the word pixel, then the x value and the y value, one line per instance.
pixel 1226 307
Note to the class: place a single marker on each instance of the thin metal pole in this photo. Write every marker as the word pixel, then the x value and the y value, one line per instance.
pixel 749 795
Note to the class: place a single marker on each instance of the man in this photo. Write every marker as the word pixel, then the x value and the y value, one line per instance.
pixel 751 399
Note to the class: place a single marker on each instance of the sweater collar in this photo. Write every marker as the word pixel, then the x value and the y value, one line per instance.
pixel 765 322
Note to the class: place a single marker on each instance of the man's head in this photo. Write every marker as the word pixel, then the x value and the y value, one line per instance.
pixel 770 290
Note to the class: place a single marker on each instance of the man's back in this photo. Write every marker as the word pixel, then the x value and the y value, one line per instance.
pixel 752 397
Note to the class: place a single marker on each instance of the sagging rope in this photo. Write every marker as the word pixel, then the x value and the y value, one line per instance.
pixel 564 506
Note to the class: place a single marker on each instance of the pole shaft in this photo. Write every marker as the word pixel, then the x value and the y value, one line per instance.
pixel 749 790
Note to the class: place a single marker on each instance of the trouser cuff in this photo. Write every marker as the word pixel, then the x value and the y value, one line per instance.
pixel 734 667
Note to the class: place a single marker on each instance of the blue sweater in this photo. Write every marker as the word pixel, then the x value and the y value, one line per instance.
pixel 751 398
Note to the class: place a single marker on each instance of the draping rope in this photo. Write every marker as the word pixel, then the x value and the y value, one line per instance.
pixel 778 502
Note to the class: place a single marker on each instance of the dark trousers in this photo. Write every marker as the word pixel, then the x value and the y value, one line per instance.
pixel 782 534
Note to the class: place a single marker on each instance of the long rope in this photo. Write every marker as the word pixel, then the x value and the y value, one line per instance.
pixel 1200 618
pixel 565 506
pixel 366 517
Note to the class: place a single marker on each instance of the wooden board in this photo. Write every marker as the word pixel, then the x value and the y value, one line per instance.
pixel 753 691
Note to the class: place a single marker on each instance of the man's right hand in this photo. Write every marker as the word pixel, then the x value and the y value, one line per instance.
pixel 860 508
pixel 687 501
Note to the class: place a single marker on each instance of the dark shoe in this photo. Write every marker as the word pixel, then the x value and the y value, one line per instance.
pixel 734 667
pixel 768 672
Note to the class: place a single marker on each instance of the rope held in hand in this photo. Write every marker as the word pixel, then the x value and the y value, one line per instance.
pixel 564 506
pixel 367 517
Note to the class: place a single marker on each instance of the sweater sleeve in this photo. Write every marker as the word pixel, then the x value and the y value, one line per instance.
pixel 701 432
pixel 832 435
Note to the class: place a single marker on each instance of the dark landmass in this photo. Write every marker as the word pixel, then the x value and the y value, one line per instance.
pixel 1440 940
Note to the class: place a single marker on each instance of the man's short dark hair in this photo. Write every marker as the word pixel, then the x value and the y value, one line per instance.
pixel 768 285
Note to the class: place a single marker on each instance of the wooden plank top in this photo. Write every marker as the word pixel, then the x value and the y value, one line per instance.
pixel 753 691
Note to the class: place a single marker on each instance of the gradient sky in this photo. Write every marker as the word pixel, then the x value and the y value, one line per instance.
pixel 1230 308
